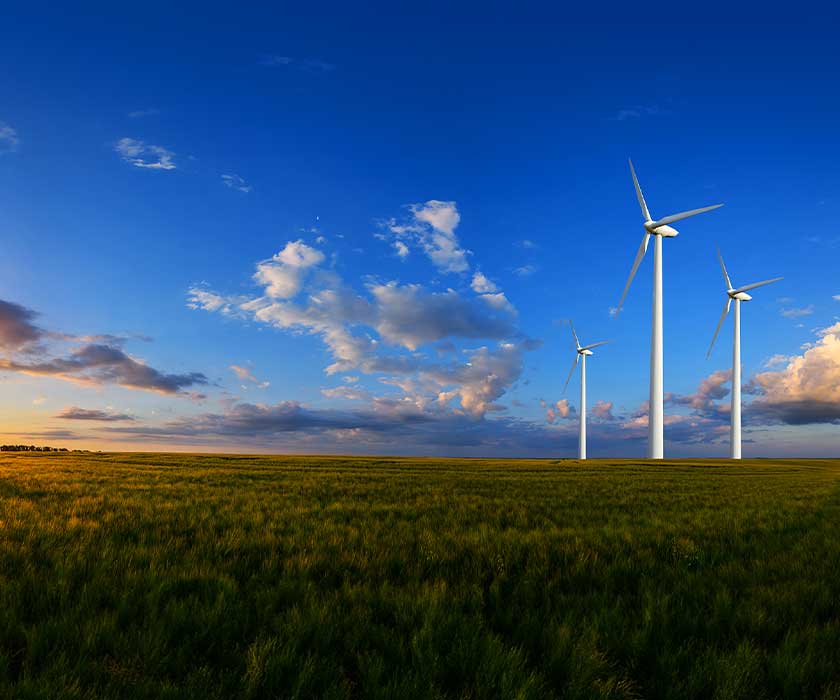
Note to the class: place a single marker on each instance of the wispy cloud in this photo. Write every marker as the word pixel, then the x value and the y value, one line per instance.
pixel 525 270
pixel 93 360
pixel 636 112
pixel 143 155
pixel 140 113
pixel 8 138
pixel 245 375
pixel 76 413
pixel 797 313
pixel 236 183
pixel 312 65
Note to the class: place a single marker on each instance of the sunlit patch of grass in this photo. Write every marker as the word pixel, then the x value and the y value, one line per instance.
pixel 178 576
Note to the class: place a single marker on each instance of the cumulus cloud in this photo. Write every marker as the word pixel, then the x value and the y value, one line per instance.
pixel 76 413
pixel 805 390
pixel 481 285
pixel 432 229
pixel 560 410
pixel 8 138
pixel 603 410
pixel 282 275
pixel 384 329
pixel 711 389
pixel 235 182
pixel 143 155
pixel 408 315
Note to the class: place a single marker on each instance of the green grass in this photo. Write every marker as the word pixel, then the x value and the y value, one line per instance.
pixel 173 576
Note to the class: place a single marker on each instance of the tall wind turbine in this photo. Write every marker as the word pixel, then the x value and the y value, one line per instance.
pixel 582 353
pixel 659 229
pixel 738 295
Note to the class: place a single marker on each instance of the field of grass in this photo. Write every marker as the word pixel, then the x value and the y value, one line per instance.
pixel 172 576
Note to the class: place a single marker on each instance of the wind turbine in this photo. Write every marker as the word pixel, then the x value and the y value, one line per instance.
pixel 582 352
pixel 738 295
pixel 659 229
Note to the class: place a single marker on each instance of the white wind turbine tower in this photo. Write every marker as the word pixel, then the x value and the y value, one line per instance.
pixel 659 229
pixel 582 353
pixel 738 295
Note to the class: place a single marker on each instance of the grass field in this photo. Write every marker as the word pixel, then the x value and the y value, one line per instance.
pixel 172 576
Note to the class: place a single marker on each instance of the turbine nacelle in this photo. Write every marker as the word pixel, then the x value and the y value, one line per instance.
pixel 580 350
pixel 736 293
pixel 659 230
pixel 654 227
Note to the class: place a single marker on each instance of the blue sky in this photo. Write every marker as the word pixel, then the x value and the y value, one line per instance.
pixel 151 163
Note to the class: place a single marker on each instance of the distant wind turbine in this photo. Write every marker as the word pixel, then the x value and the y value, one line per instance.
pixel 582 352
pixel 659 229
pixel 739 295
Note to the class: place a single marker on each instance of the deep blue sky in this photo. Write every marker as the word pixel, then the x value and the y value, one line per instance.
pixel 337 118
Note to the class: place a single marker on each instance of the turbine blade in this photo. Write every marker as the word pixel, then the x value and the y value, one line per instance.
pixel 568 379
pixel 595 345
pixel 577 342
pixel 683 215
pixel 747 287
pixel 636 263
pixel 725 274
pixel 720 323
pixel 639 195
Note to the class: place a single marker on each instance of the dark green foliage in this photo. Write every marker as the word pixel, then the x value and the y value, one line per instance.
pixel 175 576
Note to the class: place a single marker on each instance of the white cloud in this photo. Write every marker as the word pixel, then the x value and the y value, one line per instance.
pixel 836 297
pixel 283 274
pixel 498 301
pixel 8 138
pixel 482 285
pixel 236 183
pixel 776 360
pixel 199 298
pixel 143 155
pixel 384 331
pixel 807 389
pixel 432 229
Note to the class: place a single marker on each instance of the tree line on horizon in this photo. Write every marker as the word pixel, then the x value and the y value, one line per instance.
pixel 31 448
